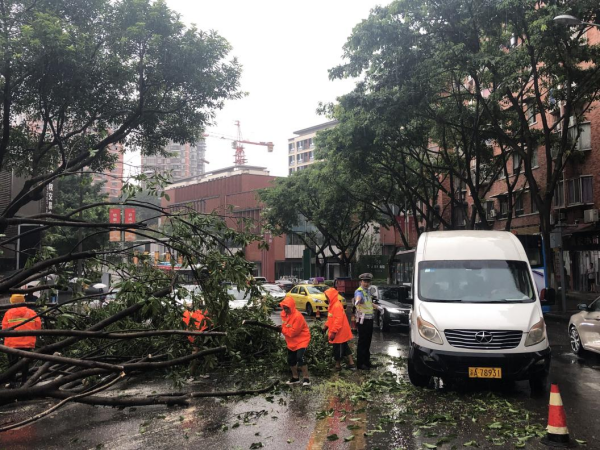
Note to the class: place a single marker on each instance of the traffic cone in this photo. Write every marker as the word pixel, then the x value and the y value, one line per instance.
pixel 557 433
pixel 318 314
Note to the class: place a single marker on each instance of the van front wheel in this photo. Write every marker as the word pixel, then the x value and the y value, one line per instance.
pixel 415 377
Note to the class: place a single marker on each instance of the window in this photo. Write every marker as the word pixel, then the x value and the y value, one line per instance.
pixel 534 207
pixel 585 136
pixel 489 210
pixel 587 193
pixel 292 160
pixel 475 281
pixel 311 143
pixel 503 206
pixel 574 191
pixel 519 204
pixel 516 161
pixel 559 195
pixel 534 158
pixel 291 147
pixel 530 112
pixel 298 159
pixel 291 171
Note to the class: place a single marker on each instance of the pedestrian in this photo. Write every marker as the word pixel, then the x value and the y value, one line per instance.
pixel 339 330
pixel 363 301
pixel 195 321
pixel 591 273
pixel 16 316
pixel 297 336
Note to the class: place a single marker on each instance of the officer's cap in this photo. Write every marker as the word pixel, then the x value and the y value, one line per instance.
pixel 366 276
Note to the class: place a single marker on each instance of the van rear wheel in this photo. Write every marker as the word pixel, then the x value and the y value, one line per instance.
pixel 415 377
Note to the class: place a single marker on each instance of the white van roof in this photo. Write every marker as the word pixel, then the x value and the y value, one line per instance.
pixel 465 245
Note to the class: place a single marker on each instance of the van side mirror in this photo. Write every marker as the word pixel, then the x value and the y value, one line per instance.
pixel 548 296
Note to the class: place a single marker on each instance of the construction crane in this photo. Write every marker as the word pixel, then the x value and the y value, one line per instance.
pixel 237 144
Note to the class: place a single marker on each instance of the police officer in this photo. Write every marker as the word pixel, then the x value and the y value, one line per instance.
pixel 363 302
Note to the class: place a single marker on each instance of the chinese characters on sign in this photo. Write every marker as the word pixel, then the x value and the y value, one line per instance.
pixel 49 197
pixel 129 218
pixel 114 216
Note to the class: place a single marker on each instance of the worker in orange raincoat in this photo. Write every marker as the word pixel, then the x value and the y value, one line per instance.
pixel 196 321
pixel 297 336
pixel 13 317
pixel 339 329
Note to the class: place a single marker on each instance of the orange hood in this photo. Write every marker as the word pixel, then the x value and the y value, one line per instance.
pixel 333 296
pixel 290 303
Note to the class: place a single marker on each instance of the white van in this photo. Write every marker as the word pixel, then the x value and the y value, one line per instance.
pixel 476 310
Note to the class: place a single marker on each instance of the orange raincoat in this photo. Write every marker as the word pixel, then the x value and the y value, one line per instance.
pixel 293 326
pixel 15 316
pixel 337 321
pixel 199 321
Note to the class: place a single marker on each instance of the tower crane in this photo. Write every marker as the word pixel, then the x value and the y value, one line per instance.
pixel 237 144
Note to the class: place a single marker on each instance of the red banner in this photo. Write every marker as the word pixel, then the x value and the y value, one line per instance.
pixel 114 216
pixel 129 218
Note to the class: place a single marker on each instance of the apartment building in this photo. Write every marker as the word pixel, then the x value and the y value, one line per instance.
pixel 301 148
pixel 576 201
pixel 183 160
pixel 112 179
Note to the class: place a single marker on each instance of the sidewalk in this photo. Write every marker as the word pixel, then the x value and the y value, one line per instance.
pixel 574 298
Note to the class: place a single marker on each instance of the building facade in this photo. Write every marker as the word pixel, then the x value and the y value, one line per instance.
pixel 301 148
pixel 183 160
pixel 233 187
pixel 576 201
pixel 112 179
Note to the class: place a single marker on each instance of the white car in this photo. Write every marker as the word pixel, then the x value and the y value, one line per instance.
pixel 476 310
pixel 584 328
pixel 273 290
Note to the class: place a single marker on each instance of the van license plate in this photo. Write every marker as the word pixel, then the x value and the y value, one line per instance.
pixel 485 372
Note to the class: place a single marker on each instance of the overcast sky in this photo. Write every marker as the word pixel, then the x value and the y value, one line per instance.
pixel 285 49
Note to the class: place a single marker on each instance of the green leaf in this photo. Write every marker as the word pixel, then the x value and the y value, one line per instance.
pixel 429 445
pixel 353 427
pixel 495 426
pixel 581 442
pixel 256 445
pixel 332 437
pixel 471 444
pixel 349 438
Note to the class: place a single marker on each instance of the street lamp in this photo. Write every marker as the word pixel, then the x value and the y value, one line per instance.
pixel 566 19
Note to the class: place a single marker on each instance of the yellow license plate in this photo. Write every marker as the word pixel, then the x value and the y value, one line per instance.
pixel 485 372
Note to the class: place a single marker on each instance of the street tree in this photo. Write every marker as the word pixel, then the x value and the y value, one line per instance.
pixel 493 84
pixel 318 195
pixel 80 81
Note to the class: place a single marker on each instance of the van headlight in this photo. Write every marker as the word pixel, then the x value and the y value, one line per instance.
pixel 428 331
pixel 536 334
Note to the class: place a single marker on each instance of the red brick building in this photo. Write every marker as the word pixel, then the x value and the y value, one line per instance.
pixel 233 187
pixel 575 204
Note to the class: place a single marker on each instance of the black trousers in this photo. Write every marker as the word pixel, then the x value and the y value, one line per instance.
pixel 12 360
pixel 365 334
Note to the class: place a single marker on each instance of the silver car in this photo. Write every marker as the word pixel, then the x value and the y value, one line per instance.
pixel 584 328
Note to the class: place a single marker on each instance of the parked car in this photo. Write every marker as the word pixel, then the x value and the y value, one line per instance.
pixel 310 298
pixel 286 285
pixel 260 280
pixel 584 328
pixel 477 313
pixel 276 293
pixel 395 303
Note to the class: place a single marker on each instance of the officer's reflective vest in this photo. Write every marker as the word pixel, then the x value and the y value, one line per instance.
pixel 367 306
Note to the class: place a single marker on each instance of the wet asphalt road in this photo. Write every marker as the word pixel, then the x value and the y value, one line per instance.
pixel 304 418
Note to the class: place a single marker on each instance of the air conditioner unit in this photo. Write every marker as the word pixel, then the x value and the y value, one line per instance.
pixel 590 216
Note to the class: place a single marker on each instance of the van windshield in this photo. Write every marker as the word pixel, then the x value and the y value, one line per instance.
pixel 475 281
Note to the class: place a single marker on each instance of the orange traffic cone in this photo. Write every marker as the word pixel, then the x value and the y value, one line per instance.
pixel 318 314
pixel 557 432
